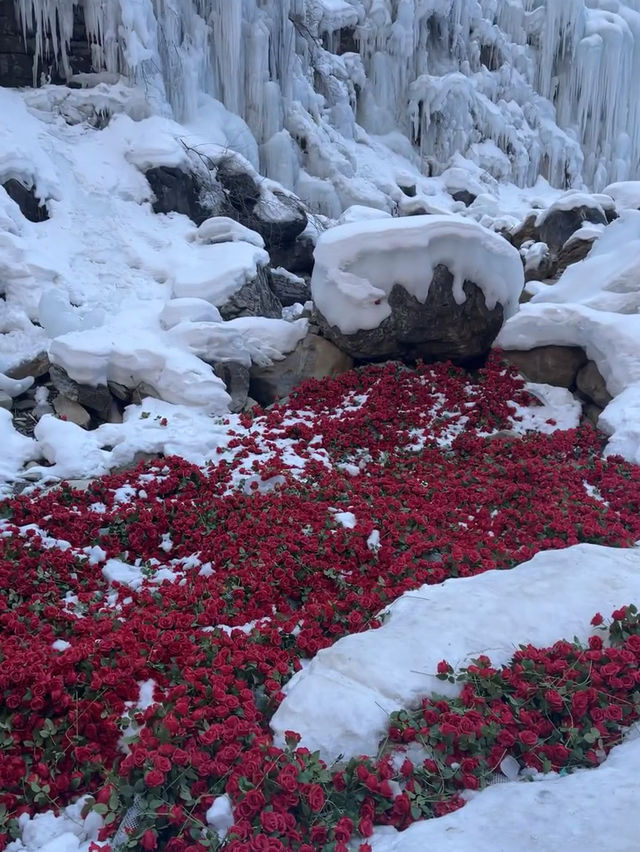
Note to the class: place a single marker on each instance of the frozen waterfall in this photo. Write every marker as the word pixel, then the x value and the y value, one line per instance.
pixel 521 87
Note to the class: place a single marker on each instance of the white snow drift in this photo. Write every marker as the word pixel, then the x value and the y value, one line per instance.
pixel 340 702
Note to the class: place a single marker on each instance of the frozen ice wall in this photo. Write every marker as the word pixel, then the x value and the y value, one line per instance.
pixel 522 87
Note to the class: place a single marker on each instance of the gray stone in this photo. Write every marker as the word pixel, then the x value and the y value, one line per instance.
pixel 289 289
pixel 72 411
pixel 5 401
pixel 296 257
pixel 525 232
pixel 253 299
pixel 314 357
pixel 278 218
pixel 572 251
pixel 120 392
pixel 465 196
pixel 142 391
pixel 552 365
pixel 236 380
pixel 98 399
pixel 36 367
pixel 590 383
pixel 559 225
pixel 435 330
pixel 198 196
pixel 592 412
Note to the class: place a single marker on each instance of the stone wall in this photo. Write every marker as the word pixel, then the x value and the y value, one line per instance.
pixel 17 56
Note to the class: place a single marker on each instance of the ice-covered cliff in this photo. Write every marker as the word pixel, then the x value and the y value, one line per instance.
pixel 522 87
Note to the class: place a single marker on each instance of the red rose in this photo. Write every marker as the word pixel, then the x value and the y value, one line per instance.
pixel 470 782
pixel 162 763
pixel 528 738
pixel 613 713
pixel 149 840
pixel 318 835
pixel 554 700
pixel 343 829
pixel 154 778
pixel 315 798
pixel 597 619
pixel 365 827
pixel 505 738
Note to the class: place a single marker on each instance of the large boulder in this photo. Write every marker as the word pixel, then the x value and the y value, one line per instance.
pixel 428 287
pixel 567 215
pixel 550 365
pixel 313 358
pixel 193 193
pixel 279 217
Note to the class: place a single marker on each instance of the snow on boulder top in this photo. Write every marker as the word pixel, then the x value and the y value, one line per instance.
pixel 357 265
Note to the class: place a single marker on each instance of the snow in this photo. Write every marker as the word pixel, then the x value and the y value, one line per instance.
pixel 596 305
pixel 16 449
pixel 219 816
pixel 357 265
pixel 574 813
pixel 558 409
pixel 340 702
pixel 626 194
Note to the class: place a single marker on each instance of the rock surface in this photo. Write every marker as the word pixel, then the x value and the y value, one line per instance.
pixel 558 225
pixel 591 384
pixel 314 357
pixel 255 299
pixel 551 365
pixel 434 330
pixel 97 399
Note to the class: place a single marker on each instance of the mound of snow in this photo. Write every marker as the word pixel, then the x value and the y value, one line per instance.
pixel 358 264
pixel 590 809
pixel 340 702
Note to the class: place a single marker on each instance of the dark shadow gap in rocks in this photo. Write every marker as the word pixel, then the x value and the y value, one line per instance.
pixel 25 197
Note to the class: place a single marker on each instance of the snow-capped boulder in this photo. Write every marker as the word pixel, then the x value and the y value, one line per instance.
pixel 279 217
pixel 191 192
pixel 253 299
pixel 566 215
pixel 288 287
pixel 430 287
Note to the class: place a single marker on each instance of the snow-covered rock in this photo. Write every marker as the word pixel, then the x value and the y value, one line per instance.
pixel 421 287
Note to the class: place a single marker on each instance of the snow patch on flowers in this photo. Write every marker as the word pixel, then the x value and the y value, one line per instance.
pixel 340 702
pixel 575 812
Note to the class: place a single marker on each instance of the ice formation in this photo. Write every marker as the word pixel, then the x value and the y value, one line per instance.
pixel 522 87
pixel 357 265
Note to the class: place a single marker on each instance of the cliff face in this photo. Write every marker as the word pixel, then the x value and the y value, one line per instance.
pixel 522 88
pixel 21 61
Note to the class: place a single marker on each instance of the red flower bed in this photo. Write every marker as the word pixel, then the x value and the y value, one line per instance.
pixel 254 539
